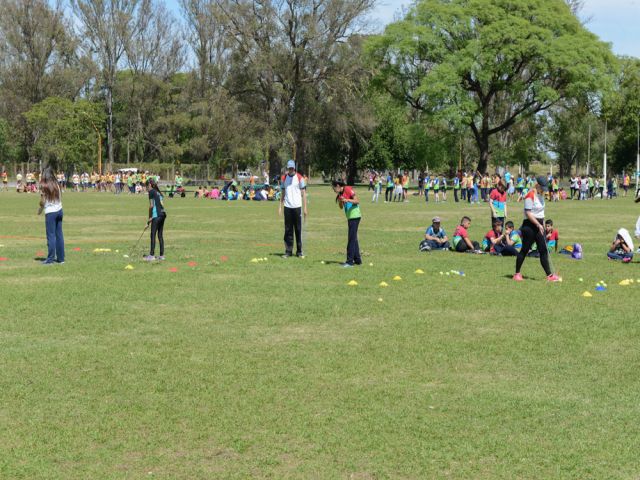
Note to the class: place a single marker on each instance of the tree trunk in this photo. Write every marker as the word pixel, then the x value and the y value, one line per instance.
pixel 275 167
pixel 483 149
pixel 352 162
pixel 109 127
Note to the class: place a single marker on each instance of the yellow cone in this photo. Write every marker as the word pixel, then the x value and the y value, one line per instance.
pixel 419 271
pixel 397 278
pixel 254 260
pixel 129 267
pixel 587 295
pixel 625 283
pixel 352 283
pixel 380 300
pixel 384 284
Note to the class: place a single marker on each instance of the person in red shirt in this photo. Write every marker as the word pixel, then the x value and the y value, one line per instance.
pixel 461 241
pixel 551 236
pixel 498 202
pixel 348 201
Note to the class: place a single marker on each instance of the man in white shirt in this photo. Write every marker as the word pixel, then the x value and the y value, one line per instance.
pixel 294 201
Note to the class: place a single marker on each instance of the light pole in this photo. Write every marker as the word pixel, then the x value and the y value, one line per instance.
pixel 604 170
pixel 638 156
pixel 589 151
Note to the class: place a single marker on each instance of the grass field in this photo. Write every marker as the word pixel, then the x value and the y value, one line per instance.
pixel 278 369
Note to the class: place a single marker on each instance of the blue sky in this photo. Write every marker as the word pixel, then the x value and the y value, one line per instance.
pixel 614 21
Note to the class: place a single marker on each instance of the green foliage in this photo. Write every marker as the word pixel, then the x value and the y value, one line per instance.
pixel 8 147
pixel 625 107
pixel 489 64
pixel 64 131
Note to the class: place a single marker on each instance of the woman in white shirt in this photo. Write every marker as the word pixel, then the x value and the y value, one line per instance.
pixel 533 230
pixel 51 204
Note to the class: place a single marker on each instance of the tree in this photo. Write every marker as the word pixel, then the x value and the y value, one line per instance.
pixel 64 131
pixel 38 58
pixel 464 60
pixel 624 104
pixel 108 27
pixel 284 53
pixel 8 147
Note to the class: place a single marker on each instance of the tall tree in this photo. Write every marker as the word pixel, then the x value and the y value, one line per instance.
pixel 624 105
pixel 38 58
pixel 284 51
pixel 108 27
pixel 463 60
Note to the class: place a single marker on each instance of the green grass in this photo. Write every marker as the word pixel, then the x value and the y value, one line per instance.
pixel 280 370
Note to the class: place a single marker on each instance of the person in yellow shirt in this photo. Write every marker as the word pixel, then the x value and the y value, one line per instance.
pixel 463 186
pixel 626 182
pixel 5 180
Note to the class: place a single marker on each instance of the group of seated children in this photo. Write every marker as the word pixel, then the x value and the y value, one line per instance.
pixel 507 242
pixel 498 241
pixel 230 192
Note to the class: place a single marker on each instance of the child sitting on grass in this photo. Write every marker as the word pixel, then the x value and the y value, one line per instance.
pixel 435 236
pixel 551 235
pixel 622 247
pixel 461 241
pixel 513 236
pixel 498 241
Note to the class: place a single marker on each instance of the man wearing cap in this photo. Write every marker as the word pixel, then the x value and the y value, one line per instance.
pixel 533 230
pixel 436 237
pixel 294 200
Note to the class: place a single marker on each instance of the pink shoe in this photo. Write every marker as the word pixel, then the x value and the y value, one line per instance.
pixel 626 260
pixel 518 277
pixel 553 278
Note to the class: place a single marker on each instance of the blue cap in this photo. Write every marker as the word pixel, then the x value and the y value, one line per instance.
pixel 291 164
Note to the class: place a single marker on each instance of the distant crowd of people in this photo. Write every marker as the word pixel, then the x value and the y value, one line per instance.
pixel 475 187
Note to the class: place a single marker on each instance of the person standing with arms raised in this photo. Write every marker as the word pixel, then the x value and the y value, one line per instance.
pixel 293 203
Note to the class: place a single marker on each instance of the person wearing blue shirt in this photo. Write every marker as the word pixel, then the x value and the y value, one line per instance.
pixel 436 237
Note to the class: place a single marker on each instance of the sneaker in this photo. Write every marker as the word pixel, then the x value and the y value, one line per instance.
pixel 626 260
pixel 286 255
pixel 47 262
pixel 60 263
pixel 518 277
pixel 300 255
pixel 149 258
pixel 347 265
pixel 160 258
pixel 553 278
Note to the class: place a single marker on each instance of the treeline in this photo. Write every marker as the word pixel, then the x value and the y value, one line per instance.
pixel 234 83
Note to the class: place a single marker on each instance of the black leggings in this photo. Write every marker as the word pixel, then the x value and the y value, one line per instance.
pixel 157 227
pixel 531 235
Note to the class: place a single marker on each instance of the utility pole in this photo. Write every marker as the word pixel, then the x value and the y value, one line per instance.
pixel 589 152
pixel 604 170
pixel 638 157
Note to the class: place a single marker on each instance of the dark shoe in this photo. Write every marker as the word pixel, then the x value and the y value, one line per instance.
pixel 47 262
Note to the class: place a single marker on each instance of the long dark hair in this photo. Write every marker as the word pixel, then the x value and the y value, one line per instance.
pixel 49 186
pixel 153 184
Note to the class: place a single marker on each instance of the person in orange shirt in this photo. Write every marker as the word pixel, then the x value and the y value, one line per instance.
pixel 5 180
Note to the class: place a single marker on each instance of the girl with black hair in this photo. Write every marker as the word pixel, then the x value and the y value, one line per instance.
pixel 348 201
pixel 51 205
pixel 157 216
